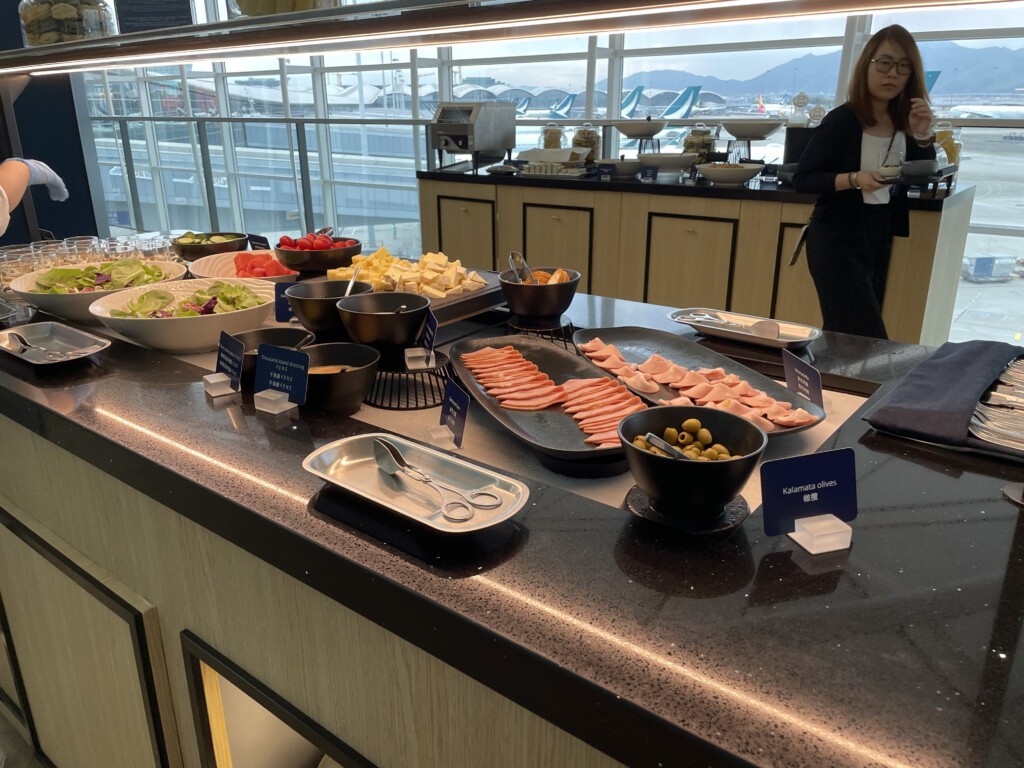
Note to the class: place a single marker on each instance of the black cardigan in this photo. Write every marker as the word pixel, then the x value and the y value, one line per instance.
pixel 834 148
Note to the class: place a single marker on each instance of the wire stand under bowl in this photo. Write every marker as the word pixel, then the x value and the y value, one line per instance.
pixel 411 390
pixel 557 333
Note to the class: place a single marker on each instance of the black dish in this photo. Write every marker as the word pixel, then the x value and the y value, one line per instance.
pixel 538 306
pixel 193 251
pixel 313 302
pixel 318 261
pixel 376 319
pixel 638 344
pixel 346 390
pixel 290 338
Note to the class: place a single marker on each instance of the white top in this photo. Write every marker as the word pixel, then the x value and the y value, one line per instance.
pixel 871 151
pixel 5 215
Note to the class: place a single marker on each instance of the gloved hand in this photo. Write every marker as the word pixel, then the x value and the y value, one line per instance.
pixel 41 173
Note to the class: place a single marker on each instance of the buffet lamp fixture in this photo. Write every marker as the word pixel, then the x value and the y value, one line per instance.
pixel 369 29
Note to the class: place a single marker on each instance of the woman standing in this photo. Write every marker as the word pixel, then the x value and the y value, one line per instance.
pixel 849 240
pixel 16 175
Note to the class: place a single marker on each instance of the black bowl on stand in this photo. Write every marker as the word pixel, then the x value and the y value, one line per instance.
pixel 290 338
pixel 318 261
pixel 342 390
pixel 538 306
pixel 314 304
pixel 390 322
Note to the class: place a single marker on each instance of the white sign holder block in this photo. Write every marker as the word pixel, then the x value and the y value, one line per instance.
pixel 272 401
pixel 822 533
pixel 442 436
pixel 218 384
pixel 419 359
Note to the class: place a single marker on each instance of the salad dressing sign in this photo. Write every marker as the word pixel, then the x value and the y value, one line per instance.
pixel 229 358
pixel 283 370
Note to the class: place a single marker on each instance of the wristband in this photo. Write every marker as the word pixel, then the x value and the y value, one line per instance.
pixel 852 178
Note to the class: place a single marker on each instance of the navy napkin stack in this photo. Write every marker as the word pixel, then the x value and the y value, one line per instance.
pixel 934 402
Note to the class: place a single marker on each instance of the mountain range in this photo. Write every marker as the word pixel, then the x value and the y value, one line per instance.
pixel 991 70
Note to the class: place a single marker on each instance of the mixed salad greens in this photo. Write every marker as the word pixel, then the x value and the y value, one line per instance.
pixel 105 277
pixel 214 299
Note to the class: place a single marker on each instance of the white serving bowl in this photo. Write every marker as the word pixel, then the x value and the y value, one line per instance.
pixel 624 169
pixel 223 265
pixel 74 307
pixel 729 177
pixel 184 335
pixel 640 129
pixel 668 161
pixel 752 130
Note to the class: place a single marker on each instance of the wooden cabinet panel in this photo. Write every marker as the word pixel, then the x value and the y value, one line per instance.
pixel 466 231
pixel 689 261
pixel 795 297
pixel 86 652
pixel 559 236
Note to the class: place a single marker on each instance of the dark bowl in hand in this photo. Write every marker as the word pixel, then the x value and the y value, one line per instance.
pixel 314 304
pixel 342 390
pixel 290 338
pixel 538 306
pixel 318 261
pixel 692 492
pixel 193 251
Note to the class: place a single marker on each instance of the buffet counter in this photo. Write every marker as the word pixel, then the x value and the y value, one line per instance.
pixel 159 523
pixel 685 245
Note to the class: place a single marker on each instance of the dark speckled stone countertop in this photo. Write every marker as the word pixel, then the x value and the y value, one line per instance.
pixel 657 649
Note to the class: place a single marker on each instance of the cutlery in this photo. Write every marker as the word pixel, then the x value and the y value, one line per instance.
pixel 24 346
pixel 765 329
pixel 352 282
pixel 456 505
pixel 671 450
pixel 520 269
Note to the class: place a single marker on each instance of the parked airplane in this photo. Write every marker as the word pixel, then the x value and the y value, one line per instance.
pixel 629 104
pixel 680 109
pixel 982 111
pixel 523 106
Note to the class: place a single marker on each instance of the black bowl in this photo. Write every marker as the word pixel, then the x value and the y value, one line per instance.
pixel 291 338
pixel 313 302
pixel 539 306
pixel 193 251
pixel 319 261
pixel 345 390
pixel 692 491
pixel 371 318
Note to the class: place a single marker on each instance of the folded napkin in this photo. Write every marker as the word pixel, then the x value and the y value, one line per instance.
pixel 934 402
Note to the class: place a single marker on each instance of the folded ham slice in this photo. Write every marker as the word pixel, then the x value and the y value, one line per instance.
pixel 609 350
pixel 640 383
pixel 654 364
pixel 592 346
pixel 671 374
pixel 691 379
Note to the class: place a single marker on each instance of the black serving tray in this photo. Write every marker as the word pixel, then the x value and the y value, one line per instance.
pixel 638 344
pixel 552 431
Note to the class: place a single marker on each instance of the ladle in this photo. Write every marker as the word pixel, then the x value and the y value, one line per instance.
pixel 352 282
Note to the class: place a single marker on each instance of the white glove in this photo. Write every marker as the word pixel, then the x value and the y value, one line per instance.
pixel 41 173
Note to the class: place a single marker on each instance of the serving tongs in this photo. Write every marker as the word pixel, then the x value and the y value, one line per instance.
pixel 456 505
pixel 24 347
pixel 765 329
pixel 520 271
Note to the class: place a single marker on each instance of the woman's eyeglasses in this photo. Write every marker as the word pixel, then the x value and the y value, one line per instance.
pixel 883 65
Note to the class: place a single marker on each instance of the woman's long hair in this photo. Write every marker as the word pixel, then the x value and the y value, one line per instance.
pixel 899 106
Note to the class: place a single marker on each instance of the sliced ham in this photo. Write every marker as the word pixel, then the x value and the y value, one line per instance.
pixel 692 379
pixel 604 437
pixel 595 422
pixel 777 410
pixel 745 390
pixel 618 396
pixel 555 395
pixel 758 419
pixel 640 383
pixel 575 385
pixel 604 409
pixel 508 365
pixel 610 363
pixel 676 401
pixel 712 374
pixel 592 346
pixel 672 373
pixel 654 364
pixel 760 400
pixel 796 418
pixel 716 394
pixel 733 406
pixel 605 352
pixel 521 389
pixel 696 391
pixel 731 380
pixel 486 351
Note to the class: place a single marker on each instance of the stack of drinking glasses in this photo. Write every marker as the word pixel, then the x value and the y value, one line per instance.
pixel 122 247
pixel 83 250
pixel 15 261
pixel 156 248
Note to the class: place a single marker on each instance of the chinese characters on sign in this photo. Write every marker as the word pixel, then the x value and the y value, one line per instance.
pixel 285 370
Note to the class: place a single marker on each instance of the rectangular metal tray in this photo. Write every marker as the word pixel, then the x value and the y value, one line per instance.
pixel 350 464
pixel 638 344
pixel 455 308
pixel 52 336
pixel 791 335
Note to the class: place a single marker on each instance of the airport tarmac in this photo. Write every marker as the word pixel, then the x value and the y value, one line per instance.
pixel 991 311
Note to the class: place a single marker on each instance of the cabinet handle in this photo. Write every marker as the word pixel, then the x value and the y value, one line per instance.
pixel 691 230
pixel 462 210
pixel 555 218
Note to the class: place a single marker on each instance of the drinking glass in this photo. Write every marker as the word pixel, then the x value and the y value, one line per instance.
pixel 79 250
pixel 15 262
pixel 890 159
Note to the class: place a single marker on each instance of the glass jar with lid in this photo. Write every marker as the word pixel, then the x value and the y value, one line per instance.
pixel 66 21
pixel 587 137
pixel 552 136
pixel 699 140
pixel 948 138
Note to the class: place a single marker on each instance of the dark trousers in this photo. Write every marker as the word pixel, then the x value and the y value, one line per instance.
pixel 850 266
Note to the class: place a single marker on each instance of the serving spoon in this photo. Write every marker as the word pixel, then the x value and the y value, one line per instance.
pixel 352 282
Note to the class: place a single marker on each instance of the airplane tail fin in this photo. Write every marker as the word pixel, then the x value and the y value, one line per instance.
pixel 561 110
pixel 683 105
pixel 523 105
pixel 631 102
pixel 760 104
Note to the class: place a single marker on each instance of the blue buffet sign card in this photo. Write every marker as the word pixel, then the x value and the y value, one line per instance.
pixel 605 171
pixel 229 358
pixel 648 174
pixel 282 309
pixel 429 332
pixel 454 409
pixel 803 378
pixel 282 369
pixel 258 243
pixel 805 486
pixel 146 15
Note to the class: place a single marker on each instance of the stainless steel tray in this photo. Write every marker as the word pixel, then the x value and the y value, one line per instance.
pixel 54 337
pixel 638 344
pixel 350 464
pixel 6 310
pixel 791 335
